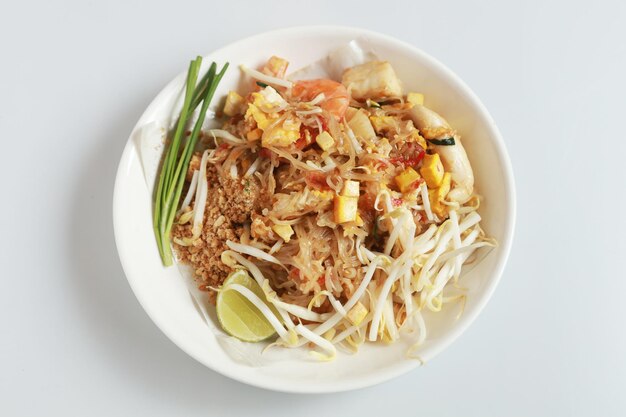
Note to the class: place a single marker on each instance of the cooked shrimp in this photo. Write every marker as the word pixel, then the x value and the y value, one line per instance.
pixel 453 157
pixel 336 99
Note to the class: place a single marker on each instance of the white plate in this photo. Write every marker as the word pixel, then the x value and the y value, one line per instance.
pixel 164 295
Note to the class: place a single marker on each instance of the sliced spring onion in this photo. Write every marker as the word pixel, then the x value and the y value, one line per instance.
pixel 443 142
pixel 176 160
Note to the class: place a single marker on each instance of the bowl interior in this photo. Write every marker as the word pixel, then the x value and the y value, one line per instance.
pixel 164 295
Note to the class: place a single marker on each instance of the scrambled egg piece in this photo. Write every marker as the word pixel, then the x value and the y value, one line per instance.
pixel 268 100
pixel 284 134
pixel 383 123
pixel 262 119
pixel 264 110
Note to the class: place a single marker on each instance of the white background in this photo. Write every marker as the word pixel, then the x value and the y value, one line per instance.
pixel 74 78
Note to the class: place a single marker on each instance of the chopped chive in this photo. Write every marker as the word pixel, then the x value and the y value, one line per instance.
pixel 176 162
pixel 443 142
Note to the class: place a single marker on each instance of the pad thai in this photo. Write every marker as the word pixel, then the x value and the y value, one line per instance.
pixel 350 203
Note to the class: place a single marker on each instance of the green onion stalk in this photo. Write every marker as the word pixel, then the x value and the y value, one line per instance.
pixel 176 161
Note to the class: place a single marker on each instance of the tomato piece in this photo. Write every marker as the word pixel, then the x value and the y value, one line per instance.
pixel 410 155
pixel 316 180
pixel 322 281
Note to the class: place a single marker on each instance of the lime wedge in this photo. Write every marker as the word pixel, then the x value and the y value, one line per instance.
pixel 238 316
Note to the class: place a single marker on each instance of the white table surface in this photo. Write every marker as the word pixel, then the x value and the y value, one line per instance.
pixel 75 76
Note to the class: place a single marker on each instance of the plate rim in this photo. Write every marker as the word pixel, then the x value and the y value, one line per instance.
pixel 382 375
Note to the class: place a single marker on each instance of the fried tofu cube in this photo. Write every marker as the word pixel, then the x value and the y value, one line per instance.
pixel 438 195
pixel 254 134
pixel 325 141
pixel 432 170
pixel 357 314
pixel 360 125
pixel 382 123
pixel 415 98
pixel 350 112
pixel 345 209
pixel 374 80
pixel 276 67
pixel 285 231
pixel 234 104
pixel 350 189
pixel 406 179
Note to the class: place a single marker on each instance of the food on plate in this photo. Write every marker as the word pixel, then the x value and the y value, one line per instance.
pixel 327 212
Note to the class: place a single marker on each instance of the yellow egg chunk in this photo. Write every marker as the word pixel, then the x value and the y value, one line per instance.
pixel 406 178
pixel 350 189
pixel 382 123
pixel 254 134
pixel 438 195
pixel 268 100
pixel 284 231
pixel 357 314
pixel 345 209
pixel 432 170
pixel 276 67
pixel 284 135
pixel 234 104
pixel 415 98
pixel 261 119
pixel 325 141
